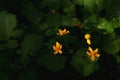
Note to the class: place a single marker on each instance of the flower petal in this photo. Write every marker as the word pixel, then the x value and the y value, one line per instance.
pixel 54 48
pixel 60 46
pixel 55 52
pixel 97 55
pixel 93 58
pixel 88 41
pixel 57 44
pixel 96 50
pixel 60 51
pixel 90 49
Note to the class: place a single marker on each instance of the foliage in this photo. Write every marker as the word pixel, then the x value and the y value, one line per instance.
pixel 29 29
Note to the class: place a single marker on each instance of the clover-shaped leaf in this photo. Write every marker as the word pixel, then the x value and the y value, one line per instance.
pixel 8 25
pixel 31 44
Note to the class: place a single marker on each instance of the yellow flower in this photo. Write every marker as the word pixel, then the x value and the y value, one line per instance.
pixel 87 37
pixel 57 48
pixel 93 53
pixel 88 41
pixel 62 32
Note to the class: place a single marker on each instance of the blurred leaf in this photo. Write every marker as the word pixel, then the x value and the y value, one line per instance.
pixel 12 44
pixel 53 21
pixel 47 3
pixel 112 6
pixel 74 21
pixel 117 58
pixel 32 13
pixel 50 32
pixel 17 33
pixel 106 25
pixel 70 38
pixel 108 37
pixel 93 19
pixel 66 20
pixel 7 24
pixel 53 62
pixel 29 75
pixel 89 68
pixel 31 44
pixel 3 46
pixel 80 2
pixel 43 27
pixel 70 9
pixel 92 5
pixel 82 63
pixel 112 47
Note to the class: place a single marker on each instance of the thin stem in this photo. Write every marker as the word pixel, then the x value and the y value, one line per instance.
pixel 66 45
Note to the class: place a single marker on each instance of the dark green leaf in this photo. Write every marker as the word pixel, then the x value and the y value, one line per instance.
pixel 12 44
pixel 31 44
pixel 112 47
pixel 82 63
pixel 53 62
pixel 7 24
pixel 92 5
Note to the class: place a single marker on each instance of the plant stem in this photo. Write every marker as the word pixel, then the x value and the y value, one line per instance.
pixel 66 45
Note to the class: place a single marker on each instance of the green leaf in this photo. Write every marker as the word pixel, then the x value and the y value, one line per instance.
pixel 112 47
pixel 7 24
pixel 66 20
pixel 89 68
pixel 31 44
pixel 51 32
pixel 117 58
pixel 53 62
pixel 12 44
pixel 112 6
pixel 93 19
pixel 106 25
pixel 108 37
pixel 92 5
pixel 70 9
pixel 3 46
pixel 80 2
pixel 74 21
pixel 32 13
pixel 57 3
pixel 82 62
pixel 17 33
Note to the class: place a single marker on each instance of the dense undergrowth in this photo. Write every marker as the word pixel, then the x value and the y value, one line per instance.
pixel 45 39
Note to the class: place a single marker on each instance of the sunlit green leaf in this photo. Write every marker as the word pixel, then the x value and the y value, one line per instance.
pixel 106 25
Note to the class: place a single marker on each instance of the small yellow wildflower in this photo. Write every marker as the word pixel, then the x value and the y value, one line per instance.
pixel 93 53
pixel 87 37
pixel 62 32
pixel 88 41
pixel 57 48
